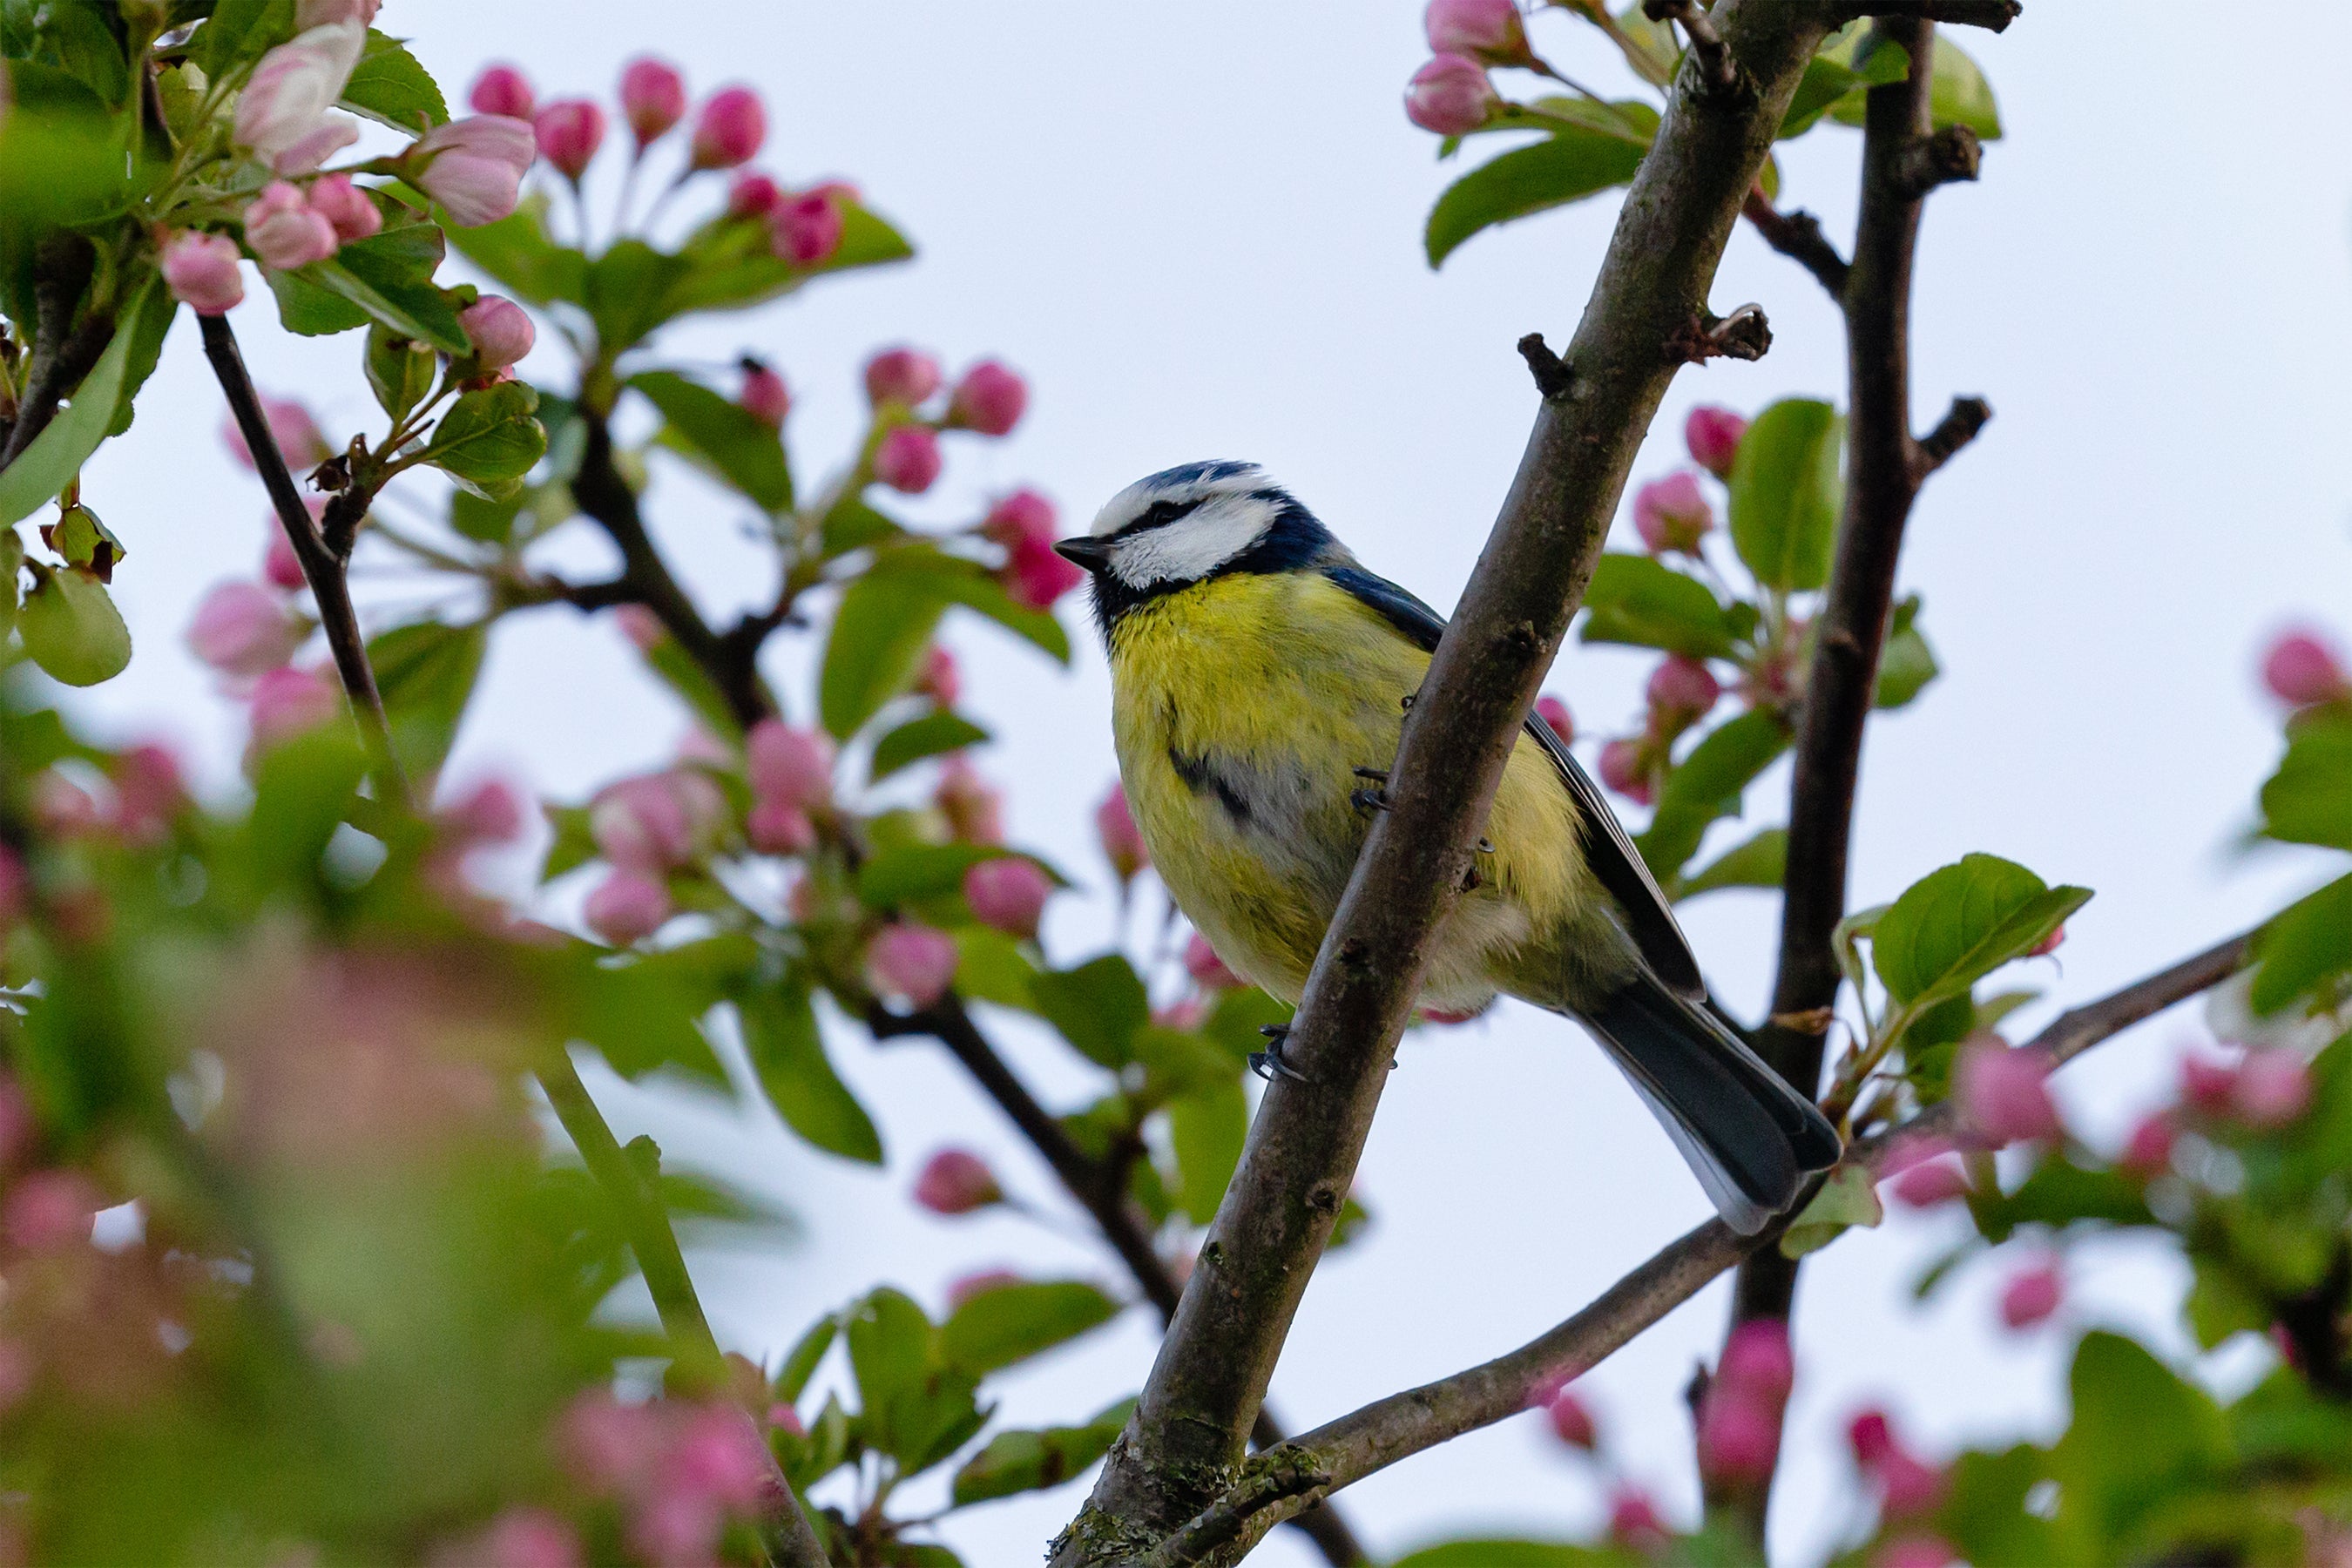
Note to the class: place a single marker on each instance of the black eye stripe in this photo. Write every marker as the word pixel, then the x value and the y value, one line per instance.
pixel 1159 514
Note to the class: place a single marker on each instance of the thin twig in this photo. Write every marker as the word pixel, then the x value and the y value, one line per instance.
pixel 1346 1450
pixel 1957 427
pixel 1214 1367
pixel 1714 62
pixel 1996 15
pixel 1797 235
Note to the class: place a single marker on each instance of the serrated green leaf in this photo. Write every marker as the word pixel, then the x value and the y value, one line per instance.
pixel 1707 785
pixel 1787 489
pixel 741 449
pixel 389 88
pixel 1098 1006
pixel 1956 925
pixel 489 437
pixel 1567 167
pixel 931 735
pixel 998 1327
pixel 1642 601
pixel 787 1053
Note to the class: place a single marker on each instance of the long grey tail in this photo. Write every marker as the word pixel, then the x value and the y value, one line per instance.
pixel 1749 1138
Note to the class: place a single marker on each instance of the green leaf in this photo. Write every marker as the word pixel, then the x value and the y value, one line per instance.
pixel 2140 1433
pixel 1985 1516
pixel 1009 1323
pixel 851 524
pixel 787 1052
pixel 572 845
pixel 646 1013
pixel 801 1360
pixel 1709 784
pixel 680 672
pixel 2304 944
pixel 478 518
pixel 735 444
pixel 1758 862
pixel 2220 1305
pixel 516 252
pixel 1957 925
pixel 1640 600
pixel 242 30
pixel 1786 492
pixel 1959 94
pixel 2060 1192
pixel 303 791
pixel 389 88
pixel 1906 663
pixel 879 631
pixel 1022 1461
pixel 387 278
pixel 916 1409
pixel 624 290
pixel 732 268
pixel 929 736
pixel 489 437
pixel 1485 1553
pixel 2309 799
pixel 1565 167
pixel 1098 1006
pixel 401 372
pixel 69 627
pixel 54 456
pixel 908 872
pixel 1849 1199
pixel 427 672
pixel 1834 73
pixel 1207 1129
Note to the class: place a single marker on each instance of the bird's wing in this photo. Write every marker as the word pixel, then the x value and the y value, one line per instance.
pixel 1648 918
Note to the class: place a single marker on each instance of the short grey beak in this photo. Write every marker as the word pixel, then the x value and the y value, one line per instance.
pixel 1085 550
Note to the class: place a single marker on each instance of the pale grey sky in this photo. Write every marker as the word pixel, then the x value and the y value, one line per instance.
pixel 1196 229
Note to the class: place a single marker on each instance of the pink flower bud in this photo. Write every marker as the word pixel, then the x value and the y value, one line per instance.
pixel 2209 1086
pixel 1672 514
pixel 502 90
pixel 780 827
pixel 2048 944
pixel 1208 971
pixel 939 679
pixel 1871 1437
pixel 784 1418
pixel 1683 687
pixel 567 133
pixel 806 229
pixel 284 232
pixel 2002 1092
pixel 1036 577
pixel 1916 1551
pixel 658 821
pixel 956 1181
pixel 901 375
pixel 1634 1523
pixel 764 397
pixel 1451 96
pixel 1122 841
pixel 989 399
pixel 200 271
pixel 1183 1016
pixel 641 627
pixel 345 207
pixel 1488 30
pixel 62 808
pixel 48 1211
pixel 718 1457
pixel 1757 1361
pixel 2272 1088
pixel 490 813
pixel 909 459
pixel 310 14
pixel 752 195
pixel 730 129
pixel 1572 1422
pixel 1009 894
pixel 474 167
pixel 2147 1153
pixel 610 1446
pixel 790 765
pixel 242 629
pixel 2301 669
pixel 1932 1182
pixel 287 99
pixel 910 962
pixel 653 98
pixel 2033 1294
pixel 286 703
pixel 626 907
pixel 15 896
pixel 963 1288
pixel 296 433
pixel 1555 716
pixel 1738 1437
pixel 1910 1487
pixel 499 329
pixel 973 809
pixel 1713 437
pixel 279 566
pixel 149 795
pixel 520 1538
pixel 1624 769
pixel 1025 517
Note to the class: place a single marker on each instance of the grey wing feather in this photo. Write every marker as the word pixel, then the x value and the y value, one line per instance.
pixel 1648 918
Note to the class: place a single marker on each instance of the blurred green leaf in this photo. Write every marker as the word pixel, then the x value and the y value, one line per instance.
pixel 1023 1461
pixel 912 871
pixel 733 266
pixel 1206 1129
pixel 1787 489
pixel 2140 1433
pixel 54 456
pixel 302 792
pixel 1005 1324
pixel 516 252
pixel 2304 945
pixel 624 289
pixel 787 1052
pixel 1849 1199
pixel 1640 600
pixel 389 88
pixel 1567 167
pixel 1709 784
pixel 2060 1192
pixel 1957 94
pixel 879 631
pixel 1839 73
pixel 851 524
pixel 991 967
pixel 425 672
pixel 2220 1305
pixel 1758 862
pixel 489 437
pixel 801 1360
pixel 931 735
pixel 1984 1513
pixel 1906 663
pixel 1098 1006
pixel 736 444
pixel 242 30
pixel 2308 800
pixel 573 846
pixel 1954 926
pixel 645 1014
pixel 1491 1553
pixel 916 1407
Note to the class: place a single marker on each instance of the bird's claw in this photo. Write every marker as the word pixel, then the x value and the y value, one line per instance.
pixel 1270 1062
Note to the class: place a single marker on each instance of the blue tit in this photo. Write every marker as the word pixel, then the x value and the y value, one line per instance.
pixel 1255 669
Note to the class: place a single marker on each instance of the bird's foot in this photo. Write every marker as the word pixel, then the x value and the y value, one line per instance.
pixel 1270 1062
pixel 1373 799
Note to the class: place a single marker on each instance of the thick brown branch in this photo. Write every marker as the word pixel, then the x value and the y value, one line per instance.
pixel 1379 1435
pixel 322 569
pixel 1797 235
pixel 1951 155
pixel 1214 1365
pixel 1996 15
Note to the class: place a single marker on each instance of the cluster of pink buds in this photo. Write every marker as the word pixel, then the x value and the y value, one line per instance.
pixel 1739 1418
pixel 988 400
pixel 1681 692
pixel 1450 94
pixel 791 774
pixel 956 1182
pixel 647 827
pixel 680 1471
pixel 2266 1089
pixel 1024 524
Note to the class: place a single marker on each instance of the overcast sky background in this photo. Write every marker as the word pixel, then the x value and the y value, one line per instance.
pixel 1196 229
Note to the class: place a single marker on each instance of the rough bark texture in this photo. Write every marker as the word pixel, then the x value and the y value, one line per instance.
pixel 1189 1430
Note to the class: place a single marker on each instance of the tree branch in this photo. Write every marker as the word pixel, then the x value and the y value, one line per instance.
pixel 1957 427
pixel 62 353
pixel 322 569
pixel 1214 1367
pixel 1345 1451
pixel 1716 67
pixel 1996 15
pixel 1797 235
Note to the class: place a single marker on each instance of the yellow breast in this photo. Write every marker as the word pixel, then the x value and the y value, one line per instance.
pixel 1241 707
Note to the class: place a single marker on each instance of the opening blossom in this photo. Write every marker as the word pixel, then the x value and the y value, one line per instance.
pixel 284 230
pixel 1488 30
pixel 504 90
pixel 790 765
pixel 653 99
pixel 1672 514
pixel 1451 96
pixel 200 271
pixel 345 206
pixel 729 130
pixel 310 14
pixel 283 112
pixel 474 167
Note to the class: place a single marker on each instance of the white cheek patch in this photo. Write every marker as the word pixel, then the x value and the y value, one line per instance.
pixel 1193 545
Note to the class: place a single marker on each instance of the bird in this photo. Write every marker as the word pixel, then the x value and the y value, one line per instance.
pixel 1259 676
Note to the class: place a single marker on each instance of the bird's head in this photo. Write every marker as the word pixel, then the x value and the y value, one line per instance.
pixel 1184 525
